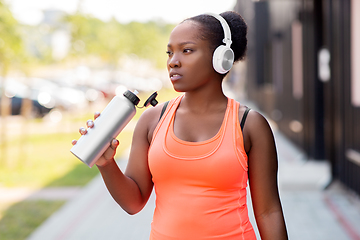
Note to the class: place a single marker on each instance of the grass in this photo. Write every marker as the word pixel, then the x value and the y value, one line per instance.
pixel 40 160
pixel 22 218
pixel 49 164
pixel 47 161
pixel 44 160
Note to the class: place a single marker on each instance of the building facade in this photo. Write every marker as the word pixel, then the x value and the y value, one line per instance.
pixel 303 71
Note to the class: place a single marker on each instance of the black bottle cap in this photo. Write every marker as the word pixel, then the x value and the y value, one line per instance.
pixel 132 97
pixel 151 100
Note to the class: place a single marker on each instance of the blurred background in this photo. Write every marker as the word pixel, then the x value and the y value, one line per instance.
pixel 60 61
pixel 302 70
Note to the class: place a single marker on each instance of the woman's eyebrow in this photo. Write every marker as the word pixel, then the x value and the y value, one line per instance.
pixel 183 43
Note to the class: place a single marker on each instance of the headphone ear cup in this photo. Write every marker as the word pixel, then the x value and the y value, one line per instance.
pixel 223 59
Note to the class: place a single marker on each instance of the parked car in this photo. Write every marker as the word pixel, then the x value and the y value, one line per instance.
pixel 17 92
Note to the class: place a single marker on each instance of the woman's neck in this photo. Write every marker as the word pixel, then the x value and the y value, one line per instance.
pixel 204 101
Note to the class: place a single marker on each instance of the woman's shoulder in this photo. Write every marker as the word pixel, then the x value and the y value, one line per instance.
pixel 255 118
pixel 255 127
pixel 152 114
pixel 252 114
pixel 150 118
pixel 156 112
pixel 258 126
pixel 255 121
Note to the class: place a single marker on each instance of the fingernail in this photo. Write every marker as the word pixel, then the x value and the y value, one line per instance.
pixel 90 123
pixel 82 130
pixel 115 142
pixel 73 142
pixel 97 113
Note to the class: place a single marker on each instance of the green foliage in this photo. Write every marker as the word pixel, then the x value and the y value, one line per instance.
pixel 148 41
pixel 11 44
pixel 111 40
pixel 45 160
pixel 89 37
pixel 20 220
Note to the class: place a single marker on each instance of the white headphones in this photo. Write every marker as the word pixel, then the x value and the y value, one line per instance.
pixel 223 57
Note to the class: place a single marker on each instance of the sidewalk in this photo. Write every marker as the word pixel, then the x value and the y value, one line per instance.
pixel 93 214
pixel 310 211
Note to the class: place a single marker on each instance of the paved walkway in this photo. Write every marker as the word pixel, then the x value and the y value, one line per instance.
pixel 93 214
pixel 12 195
pixel 311 212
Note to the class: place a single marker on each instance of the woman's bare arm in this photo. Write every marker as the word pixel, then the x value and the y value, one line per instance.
pixel 263 167
pixel 132 189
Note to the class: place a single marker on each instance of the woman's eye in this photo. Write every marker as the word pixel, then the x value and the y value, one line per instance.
pixel 168 53
pixel 187 50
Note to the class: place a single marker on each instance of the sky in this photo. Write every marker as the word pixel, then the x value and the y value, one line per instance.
pixel 30 11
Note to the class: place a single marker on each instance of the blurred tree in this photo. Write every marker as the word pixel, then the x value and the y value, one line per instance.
pixel 111 40
pixel 11 55
pixel 149 40
pixel 83 30
pixel 11 44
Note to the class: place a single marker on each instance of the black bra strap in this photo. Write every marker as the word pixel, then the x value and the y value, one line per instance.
pixel 163 109
pixel 242 123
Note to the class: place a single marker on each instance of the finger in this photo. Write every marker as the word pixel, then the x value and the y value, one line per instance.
pixel 73 142
pixel 114 143
pixel 109 153
pixel 90 123
pixel 82 131
pixel 96 115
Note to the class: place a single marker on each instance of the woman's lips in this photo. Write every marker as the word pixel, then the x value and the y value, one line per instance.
pixel 175 77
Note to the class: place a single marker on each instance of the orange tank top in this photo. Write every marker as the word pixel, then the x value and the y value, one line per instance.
pixel 200 186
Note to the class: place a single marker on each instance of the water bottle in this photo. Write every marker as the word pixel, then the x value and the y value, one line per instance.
pixel 116 115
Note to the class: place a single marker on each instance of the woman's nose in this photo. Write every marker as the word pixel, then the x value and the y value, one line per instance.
pixel 174 62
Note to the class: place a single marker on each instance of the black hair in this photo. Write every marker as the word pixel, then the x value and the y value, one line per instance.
pixel 213 32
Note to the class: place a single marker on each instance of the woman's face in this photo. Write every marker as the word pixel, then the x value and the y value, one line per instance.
pixel 190 59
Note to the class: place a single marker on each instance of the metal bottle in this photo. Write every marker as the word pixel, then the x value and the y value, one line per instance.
pixel 116 115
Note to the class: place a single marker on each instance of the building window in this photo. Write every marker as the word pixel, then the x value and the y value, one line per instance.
pixel 297 59
pixel 355 53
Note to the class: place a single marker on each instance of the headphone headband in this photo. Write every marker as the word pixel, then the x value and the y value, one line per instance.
pixel 226 28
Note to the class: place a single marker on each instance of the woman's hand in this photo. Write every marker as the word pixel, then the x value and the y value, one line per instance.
pixel 109 153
